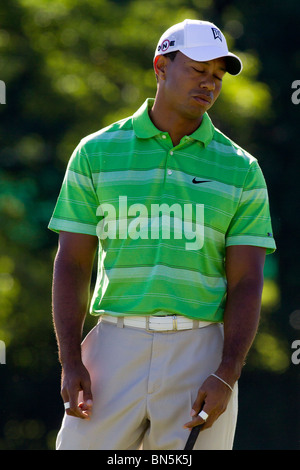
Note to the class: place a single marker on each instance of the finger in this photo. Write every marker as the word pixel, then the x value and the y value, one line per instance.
pixel 87 393
pixel 86 408
pixel 71 411
pixel 67 402
pixel 80 383
pixel 198 403
pixel 77 411
pixel 72 407
pixel 83 409
pixel 87 404
pixel 198 419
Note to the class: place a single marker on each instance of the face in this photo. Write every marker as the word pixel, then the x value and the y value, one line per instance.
pixel 188 87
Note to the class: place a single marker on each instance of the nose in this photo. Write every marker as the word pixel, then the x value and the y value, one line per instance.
pixel 208 83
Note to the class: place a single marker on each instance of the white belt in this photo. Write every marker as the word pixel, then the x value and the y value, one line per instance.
pixel 156 323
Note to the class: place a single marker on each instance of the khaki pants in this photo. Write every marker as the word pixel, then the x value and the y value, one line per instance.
pixel 144 385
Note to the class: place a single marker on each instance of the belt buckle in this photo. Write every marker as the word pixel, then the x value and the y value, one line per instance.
pixel 174 324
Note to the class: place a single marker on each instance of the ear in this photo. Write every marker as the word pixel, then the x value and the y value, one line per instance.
pixel 160 63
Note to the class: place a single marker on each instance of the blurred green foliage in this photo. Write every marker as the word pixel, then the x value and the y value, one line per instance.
pixel 71 67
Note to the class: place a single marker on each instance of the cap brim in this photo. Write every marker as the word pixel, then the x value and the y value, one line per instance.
pixel 233 63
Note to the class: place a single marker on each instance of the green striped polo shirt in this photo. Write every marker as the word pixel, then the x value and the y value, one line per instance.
pixel 163 215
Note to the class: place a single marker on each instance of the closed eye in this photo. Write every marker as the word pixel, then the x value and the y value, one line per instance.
pixel 203 71
pixel 199 71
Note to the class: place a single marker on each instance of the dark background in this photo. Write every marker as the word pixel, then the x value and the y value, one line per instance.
pixel 71 67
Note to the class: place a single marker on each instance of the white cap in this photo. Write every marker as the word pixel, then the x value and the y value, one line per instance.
pixel 200 41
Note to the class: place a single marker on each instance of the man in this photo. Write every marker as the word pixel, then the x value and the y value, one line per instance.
pixel 180 216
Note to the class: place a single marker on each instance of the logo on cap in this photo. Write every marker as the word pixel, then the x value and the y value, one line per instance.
pixel 165 45
pixel 217 33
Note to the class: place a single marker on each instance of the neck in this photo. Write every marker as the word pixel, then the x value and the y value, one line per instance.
pixel 177 126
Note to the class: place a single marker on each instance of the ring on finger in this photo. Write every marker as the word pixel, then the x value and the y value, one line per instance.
pixel 203 415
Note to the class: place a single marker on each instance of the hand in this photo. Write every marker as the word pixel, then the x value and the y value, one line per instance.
pixel 213 398
pixel 76 378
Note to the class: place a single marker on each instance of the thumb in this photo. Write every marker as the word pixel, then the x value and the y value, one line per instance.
pixel 87 395
pixel 87 404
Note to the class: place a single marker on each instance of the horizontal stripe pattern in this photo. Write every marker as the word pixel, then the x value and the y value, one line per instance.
pixel 131 169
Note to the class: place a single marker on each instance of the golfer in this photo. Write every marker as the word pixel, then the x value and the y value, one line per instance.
pixel 178 217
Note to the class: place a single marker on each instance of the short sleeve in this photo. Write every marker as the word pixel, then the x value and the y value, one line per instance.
pixel 251 224
pixel 76 206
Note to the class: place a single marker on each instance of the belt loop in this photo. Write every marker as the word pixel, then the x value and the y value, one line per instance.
pixel 195 324
pixel 175 326
pixel 120 322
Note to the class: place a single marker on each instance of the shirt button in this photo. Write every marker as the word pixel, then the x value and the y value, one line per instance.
pixel 163 136
pixel 170 172
pixel 171 153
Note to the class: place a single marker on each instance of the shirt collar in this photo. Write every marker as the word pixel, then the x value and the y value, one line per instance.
pixel 145 129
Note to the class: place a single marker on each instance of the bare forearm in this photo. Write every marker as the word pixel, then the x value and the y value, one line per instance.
pixel 70 300
pixel 71 286
pixel 241 321
pixel 244 272
pixel 240 326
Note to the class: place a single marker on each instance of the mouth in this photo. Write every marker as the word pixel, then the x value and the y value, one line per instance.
pixel 203 99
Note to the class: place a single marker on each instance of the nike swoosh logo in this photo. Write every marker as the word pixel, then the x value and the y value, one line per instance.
pixel 200 181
